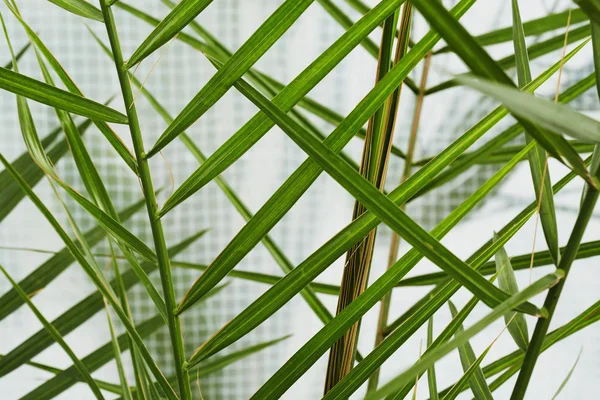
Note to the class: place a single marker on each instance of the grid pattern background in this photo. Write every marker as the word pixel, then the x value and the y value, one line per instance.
pixel 325 208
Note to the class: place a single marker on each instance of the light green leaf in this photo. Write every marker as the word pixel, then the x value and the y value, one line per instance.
pixel 81 8
pixel 379 204
pixel 470 365
pixel 266 35
pixel 557 118
pixel 314 265
pixel 58 98
pixel 103 287
pixel 591 8
pixel 171 25
pixel 431 380
pixel 517 326
pixel 530 291
pixel 57 337
pixel 566 380
pixel 481 64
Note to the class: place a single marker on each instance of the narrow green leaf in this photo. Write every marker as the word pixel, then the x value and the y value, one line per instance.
pixel 537 157
pixel 470 365
pixel 93 361
pixel 321 342
pixel 73 317
pixel 520 262
pixel 57 337
pixel 81 8
pixel 431 380
pixel 314 265
pixel 58 98
pixel 266 35
pixel 10 193
pixel 50 269
pixel 171 25
pixel 473 369
pixel 534 51
pixel 566 380
pixel 323 288
pixel 18 56
pixel 591 8
pixel 286 196
pixel 533 27
pixel 481 64
pixel 508 134
pixel 555 117
pixel 108 133
pixel 381 205
pixel 103 288
pixel 530 291
pixel 117 354
pixel 516 324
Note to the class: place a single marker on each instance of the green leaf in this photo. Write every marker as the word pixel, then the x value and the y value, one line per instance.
pixel 286 196
pixel 462 338
pixel 470 365
pixel 264 37
pixel 537 158
pixel 314 265
pixel 591 8
pixel 382 206
pixel 81 8
pixel 117 354
pixel 534 27
pixel 566 380
pixel 516 324
pixel 93 361
pixel 431 380
pixel 102 286
pixel 534 51
pixel 481 64
pixel 259 125
pixel 555 117
pixel 58 98
pixel 108 133
pixel 317 345
pixel 10 193
pixel 74 316
pixel 82 370
pixel 18 56
pixel 171 25
pixel 468 377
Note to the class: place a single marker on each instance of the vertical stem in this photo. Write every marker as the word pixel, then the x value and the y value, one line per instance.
pixel 395 244
pixel 151 206
pixel 378 142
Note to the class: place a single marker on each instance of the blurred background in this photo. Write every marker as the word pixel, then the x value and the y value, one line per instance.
pixel 175 76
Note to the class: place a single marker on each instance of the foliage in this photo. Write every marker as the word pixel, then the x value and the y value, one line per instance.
pixel 547 125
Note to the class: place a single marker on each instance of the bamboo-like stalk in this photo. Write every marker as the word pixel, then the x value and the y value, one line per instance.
pixel 395 242
pixel 151 206
pixel 373 167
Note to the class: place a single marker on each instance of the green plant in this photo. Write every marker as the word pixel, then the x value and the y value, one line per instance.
pixel 542 121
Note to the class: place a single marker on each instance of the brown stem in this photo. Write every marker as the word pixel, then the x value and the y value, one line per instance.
pixel 395 244
pixel 378 144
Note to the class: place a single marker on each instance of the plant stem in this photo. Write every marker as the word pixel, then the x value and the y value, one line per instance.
pixel 374 162
pixel 151 206
pixel 542 325
pixel 395 245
